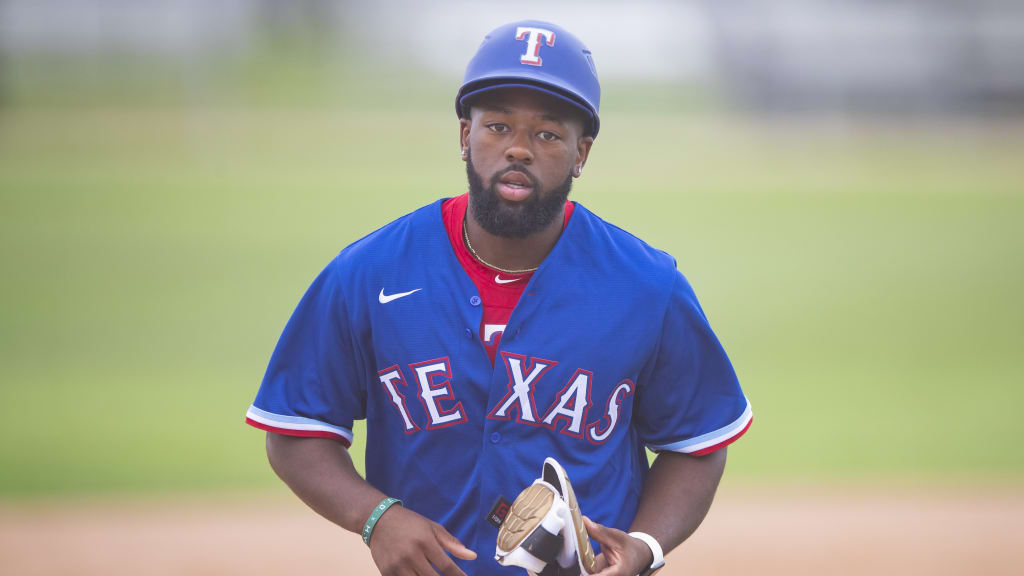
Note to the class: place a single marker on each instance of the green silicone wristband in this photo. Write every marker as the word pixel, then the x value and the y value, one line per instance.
pixel 378 511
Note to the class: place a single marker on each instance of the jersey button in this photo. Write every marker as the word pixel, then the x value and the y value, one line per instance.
pixel 495 437
pixel 474 300
pixel 469 334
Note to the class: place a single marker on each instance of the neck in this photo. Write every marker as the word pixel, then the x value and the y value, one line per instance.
pixel 514 253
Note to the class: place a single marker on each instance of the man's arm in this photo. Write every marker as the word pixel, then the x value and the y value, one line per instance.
pixel 675 500
pixel 322 475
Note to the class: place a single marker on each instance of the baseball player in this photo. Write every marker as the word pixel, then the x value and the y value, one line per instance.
pixel 485 332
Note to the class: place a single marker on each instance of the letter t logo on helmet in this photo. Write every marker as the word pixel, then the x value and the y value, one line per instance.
pixel 533 37
pixel 568 71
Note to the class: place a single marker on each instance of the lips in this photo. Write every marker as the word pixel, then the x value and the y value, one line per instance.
pixel 516 178
pixel 514 185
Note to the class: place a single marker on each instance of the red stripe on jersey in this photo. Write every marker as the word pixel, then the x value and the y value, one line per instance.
pixel 303 433
pixel 499 292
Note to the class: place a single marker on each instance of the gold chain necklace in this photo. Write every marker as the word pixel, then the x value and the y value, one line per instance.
pixel 465 237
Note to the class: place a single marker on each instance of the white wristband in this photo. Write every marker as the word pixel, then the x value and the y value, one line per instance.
pixel 659 556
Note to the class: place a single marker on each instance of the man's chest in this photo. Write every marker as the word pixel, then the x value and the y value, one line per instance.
pixel 567 364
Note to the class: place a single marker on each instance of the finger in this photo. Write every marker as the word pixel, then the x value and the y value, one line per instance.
pixel 597 531
pixel 612 570
pixel 607 538
pixel 452 544
pixel 412 569
pixel 443 562
pixel 600 562
pixel 423 568
pixel 404 571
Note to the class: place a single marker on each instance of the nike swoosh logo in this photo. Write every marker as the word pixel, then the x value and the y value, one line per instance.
pixel 500 280
pixel 385 298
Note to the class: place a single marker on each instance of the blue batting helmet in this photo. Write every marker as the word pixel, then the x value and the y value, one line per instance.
pixel 536 55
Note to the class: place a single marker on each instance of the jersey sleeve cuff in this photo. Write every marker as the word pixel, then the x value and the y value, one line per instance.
pixel 296 426
pixel 714 440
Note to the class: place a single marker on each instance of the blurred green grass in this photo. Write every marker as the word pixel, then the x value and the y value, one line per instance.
pixel 866 283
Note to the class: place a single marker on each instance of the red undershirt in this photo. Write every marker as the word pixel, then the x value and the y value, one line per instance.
pixel 499 292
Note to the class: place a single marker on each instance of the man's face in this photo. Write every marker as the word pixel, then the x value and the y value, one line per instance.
pixel 523 148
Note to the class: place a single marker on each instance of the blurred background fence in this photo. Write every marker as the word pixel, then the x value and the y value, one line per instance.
pixel 841 181
pixel 832 56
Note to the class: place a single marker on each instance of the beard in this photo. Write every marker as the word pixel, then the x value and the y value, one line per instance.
pixel 517 221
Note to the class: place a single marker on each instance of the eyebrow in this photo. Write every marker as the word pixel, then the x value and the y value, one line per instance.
pixel 493 108
pixel 552 118
pixel 506 110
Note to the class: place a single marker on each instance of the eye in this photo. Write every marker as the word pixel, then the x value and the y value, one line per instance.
pixel 548 136
pixel 498 128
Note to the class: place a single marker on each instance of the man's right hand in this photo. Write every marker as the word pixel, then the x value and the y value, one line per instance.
pixel 407 544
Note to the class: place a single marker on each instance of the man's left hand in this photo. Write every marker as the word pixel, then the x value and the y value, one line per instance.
pixel 621 554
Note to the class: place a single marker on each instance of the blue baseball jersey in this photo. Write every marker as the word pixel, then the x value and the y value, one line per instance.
pixel 606 353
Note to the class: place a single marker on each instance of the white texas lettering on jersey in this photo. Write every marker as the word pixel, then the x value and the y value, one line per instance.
pixel 388 377
pixel 533 39
pixel 520 388
pixel 624 389
pixel 431 394
pixel 572 403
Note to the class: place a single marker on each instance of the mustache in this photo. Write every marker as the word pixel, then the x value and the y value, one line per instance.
pixel 515 168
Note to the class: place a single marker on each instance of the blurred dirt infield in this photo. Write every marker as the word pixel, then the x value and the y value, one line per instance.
pixel 764 531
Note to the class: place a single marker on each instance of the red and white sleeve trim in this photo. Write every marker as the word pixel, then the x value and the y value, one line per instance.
pixel 714 440
pixel 296 426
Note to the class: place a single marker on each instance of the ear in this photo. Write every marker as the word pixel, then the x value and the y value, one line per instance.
pixel 583 145
pixel 464 125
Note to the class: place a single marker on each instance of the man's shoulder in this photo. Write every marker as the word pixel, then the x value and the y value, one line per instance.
pixel 612 241
pixel 395 240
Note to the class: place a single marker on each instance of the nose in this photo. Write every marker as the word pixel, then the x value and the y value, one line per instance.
pixel 519 150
